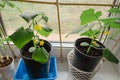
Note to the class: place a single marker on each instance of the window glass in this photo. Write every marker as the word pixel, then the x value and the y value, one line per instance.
pixel 13 21
pixel 70 19
pixel 69 16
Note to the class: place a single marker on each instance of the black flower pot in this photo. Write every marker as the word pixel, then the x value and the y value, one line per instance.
pixel 84 61
pixel 35 69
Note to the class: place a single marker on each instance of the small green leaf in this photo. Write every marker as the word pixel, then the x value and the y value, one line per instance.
pixel 40 55
pixel 94 44
pixel 10 4
pixel 45 18
pixel 84 44
pixel 112 22
pixel 98 14
pixel 29 16
pixel 1 5
pixel 114 10
pixel 21 37
pixel 108 20
pixel 109 56
pixel 91 33
pixel 115 25
pixel 45 31
pixel 89 15
pixel 32 49
pixel 87 33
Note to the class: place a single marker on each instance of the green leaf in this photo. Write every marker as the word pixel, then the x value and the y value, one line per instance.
pixel 91 33
pixel 112 22
pixel 108 20
pixel 114 10
pixel 1 5
pixel 10 4
pixel 32 49
pixel 45 31
pixel 109 56
pixel 89 15
pixel 21 37
pixel 84 44
pixel 29 16
pixel 40 55
pixel 115 25
pixel 87 33
pixel 77 30
pixel 45 18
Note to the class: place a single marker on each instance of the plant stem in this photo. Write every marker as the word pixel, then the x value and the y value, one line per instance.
pixel 94 37
pixel 100 28
pixel 88 50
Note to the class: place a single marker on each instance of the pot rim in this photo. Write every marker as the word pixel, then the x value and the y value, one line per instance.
pixel 86 54
pixel 9 64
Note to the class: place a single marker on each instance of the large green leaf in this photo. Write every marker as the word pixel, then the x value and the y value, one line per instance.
pixel 89 15
pixel 29 16
pixel 21 37
pixel 45 31
pixel 109 56
pixel 45 18
pixel 40 55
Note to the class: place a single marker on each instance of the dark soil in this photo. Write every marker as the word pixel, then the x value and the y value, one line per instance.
pixel 6 62
pixel 25 50
pixel 93 51
pixel 27 54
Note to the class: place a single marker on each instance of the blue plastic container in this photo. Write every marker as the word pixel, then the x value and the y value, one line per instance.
pixel 21 73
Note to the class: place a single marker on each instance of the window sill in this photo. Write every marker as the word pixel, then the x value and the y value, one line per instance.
pixel 108 72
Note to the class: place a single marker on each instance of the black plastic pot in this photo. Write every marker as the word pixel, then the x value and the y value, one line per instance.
pixel 84 61
pixel 36 69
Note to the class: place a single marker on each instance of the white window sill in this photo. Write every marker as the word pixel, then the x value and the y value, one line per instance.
pixel 108 72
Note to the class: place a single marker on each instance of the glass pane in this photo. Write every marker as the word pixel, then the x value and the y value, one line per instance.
pixel 70 19
pixel 69 16
pixel 13 21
